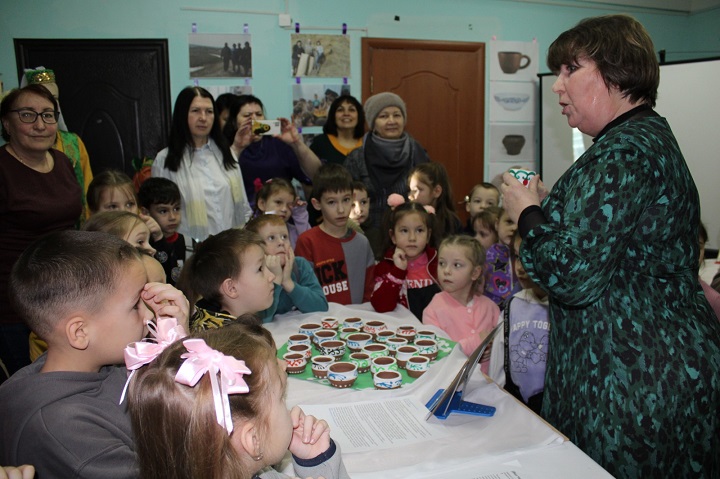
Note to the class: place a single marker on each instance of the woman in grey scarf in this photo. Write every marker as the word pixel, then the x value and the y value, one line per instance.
pixel 387 154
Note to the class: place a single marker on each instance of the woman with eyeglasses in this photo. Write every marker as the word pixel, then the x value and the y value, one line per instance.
pixel 38 194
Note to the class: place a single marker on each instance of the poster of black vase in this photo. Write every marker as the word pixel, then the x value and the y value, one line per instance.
pixel 220 55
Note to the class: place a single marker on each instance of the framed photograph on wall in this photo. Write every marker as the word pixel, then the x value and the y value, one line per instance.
pixel 325 56
pixel 311 102
pixel 217 90
pixel 220 55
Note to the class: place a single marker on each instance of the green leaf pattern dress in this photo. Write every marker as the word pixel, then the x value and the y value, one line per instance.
pixel 633 375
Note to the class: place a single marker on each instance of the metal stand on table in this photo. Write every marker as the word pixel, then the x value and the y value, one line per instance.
pixel 447 401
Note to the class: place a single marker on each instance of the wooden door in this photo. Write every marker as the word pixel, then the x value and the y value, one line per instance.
pixel 115 94
pixel 443 86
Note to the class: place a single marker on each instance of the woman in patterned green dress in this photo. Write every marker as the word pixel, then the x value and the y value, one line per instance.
pixel 633 376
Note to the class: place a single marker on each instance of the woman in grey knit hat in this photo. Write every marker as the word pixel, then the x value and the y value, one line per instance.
pixel 388 153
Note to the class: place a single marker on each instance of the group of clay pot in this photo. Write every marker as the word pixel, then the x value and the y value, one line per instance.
pixel 371 346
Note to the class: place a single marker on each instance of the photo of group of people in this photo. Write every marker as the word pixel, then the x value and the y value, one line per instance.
pixel 230 56
pixel 217 90
pixel 311 102
pixel 220 55
pixel 320 55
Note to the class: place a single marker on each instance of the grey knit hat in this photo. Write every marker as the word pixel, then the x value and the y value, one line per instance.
pixel 376 103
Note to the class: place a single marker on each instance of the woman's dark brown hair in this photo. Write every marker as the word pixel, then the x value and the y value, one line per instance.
pixel 392 216
pixel 620 47
pixel 330 127
pixel 180 139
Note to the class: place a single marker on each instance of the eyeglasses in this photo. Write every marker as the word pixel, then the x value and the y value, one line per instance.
pixel 30 116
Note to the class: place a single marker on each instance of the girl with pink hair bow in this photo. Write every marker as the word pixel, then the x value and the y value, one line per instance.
pixel 220 394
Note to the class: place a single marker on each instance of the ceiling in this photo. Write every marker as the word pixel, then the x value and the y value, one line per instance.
pixel 673 7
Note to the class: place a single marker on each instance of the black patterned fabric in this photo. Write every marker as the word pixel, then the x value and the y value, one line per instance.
pixel 633 375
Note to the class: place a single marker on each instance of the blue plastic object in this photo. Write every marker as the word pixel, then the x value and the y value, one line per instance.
pixel 457 405
pixel 447 401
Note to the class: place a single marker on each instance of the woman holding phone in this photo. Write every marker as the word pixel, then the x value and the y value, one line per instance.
pixel 262 157
pixel 388 153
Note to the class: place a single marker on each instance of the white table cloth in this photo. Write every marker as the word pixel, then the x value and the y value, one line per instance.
pixel 513 439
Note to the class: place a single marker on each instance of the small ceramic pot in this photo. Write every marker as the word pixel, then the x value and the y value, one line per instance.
pixel 320 365
pixel 428 348
pixel 333 347
pixel 342 374
pixel 329 323
pixel 303 349
pixel 373 327
pixel 406 331
pixel 295 363
pixel 357 341
pixel 387 380
pixel 353 323
pixel 404 353
pixel 394 343
pixel 375 350
pixel 425 334
pixel 323 335
pixel 383 336
pixel 346 331
pixel 416 366
pixel 383 363
pixel 362 361
pixel 309 329
pixel 299 339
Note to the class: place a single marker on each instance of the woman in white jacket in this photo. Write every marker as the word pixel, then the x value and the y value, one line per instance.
pixel 199 161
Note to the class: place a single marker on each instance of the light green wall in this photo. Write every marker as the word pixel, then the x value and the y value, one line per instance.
pixel 457 20
pixel 419 19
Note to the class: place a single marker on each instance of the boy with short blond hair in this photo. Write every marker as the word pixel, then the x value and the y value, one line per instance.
pixel 86 294
pixel 343 259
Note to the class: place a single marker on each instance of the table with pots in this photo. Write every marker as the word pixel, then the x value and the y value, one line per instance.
pixel 359 350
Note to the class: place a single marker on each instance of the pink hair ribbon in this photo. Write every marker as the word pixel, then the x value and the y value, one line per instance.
pixel 395 200
pixel 164 332
pixel 201 359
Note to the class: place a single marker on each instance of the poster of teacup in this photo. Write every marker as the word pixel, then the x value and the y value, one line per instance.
pixel 512 142
pixel 513 61
pixel 217 90
pixel 512 101
pixel 315 55
pixel 220 55
pixel 311 102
